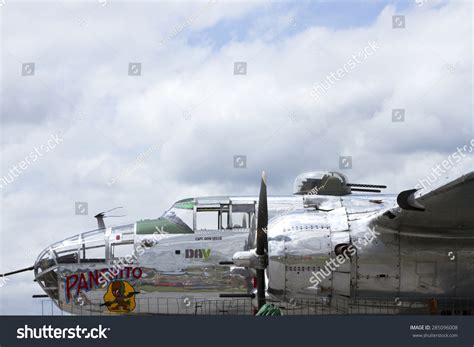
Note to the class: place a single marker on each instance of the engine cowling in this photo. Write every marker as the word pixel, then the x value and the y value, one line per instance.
pixel 300 246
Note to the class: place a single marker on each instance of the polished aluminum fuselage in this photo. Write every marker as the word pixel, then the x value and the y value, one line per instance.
pixel 172 272
pixel 175 273
pixel 391 261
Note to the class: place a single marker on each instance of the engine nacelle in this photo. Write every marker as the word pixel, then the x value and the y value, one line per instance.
pixel 300 246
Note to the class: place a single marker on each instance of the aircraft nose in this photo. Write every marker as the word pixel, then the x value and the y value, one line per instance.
pixel 45 270
pixel 68 251
pixel 93 246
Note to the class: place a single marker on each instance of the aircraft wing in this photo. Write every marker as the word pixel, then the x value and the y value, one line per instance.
pixel 445 209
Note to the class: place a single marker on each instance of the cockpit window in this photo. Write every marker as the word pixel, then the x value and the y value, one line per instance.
pixel 179 218
pixel 185 205
pixel 188 215
pixel 207 220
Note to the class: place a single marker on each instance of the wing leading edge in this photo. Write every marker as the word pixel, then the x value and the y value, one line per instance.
pixel 448 208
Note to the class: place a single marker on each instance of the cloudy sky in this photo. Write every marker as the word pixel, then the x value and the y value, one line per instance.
pixel 141 104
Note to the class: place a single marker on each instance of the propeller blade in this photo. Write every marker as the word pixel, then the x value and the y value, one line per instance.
pixel 17 271
pixel 262 219
pixel 262 241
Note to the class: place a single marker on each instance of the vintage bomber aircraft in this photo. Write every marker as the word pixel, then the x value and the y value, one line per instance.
pixel 221 249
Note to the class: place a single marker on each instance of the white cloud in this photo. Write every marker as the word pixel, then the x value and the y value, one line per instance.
pixel 82 54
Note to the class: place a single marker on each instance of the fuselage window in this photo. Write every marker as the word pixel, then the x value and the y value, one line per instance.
pixel 207 220
pixel 239 220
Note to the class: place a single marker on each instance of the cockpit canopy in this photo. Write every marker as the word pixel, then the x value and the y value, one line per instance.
pixel 208 213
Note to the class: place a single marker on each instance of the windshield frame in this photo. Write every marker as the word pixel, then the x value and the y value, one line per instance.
pixel 172 217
